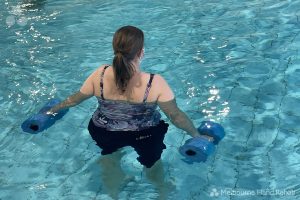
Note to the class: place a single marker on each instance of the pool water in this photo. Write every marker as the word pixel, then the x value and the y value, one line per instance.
pixel 234 62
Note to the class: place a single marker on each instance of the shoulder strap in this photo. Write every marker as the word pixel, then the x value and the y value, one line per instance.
pixel 148 88
pixel 101 81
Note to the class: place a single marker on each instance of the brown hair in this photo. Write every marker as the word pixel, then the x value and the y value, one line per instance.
pixel 128 41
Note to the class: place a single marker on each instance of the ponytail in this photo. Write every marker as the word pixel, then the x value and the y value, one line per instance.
pixel 123 71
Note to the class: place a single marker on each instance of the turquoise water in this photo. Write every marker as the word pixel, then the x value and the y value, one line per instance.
pixel 235 62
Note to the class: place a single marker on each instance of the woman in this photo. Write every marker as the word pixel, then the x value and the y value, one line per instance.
pixel 128 98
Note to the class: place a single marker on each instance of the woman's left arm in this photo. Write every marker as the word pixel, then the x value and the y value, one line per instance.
pixel 71 101
pixel 86 91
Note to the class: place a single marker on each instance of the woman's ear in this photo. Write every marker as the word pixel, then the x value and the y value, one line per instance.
pixel 142 53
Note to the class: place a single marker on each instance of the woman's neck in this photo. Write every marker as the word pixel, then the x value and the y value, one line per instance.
pixel 136 64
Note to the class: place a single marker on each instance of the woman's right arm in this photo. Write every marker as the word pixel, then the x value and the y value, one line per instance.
pixel 167 103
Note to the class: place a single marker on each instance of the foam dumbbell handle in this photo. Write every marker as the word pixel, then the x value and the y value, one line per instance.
pixel 212 129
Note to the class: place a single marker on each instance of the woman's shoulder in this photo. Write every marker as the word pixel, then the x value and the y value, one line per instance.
pixel 161 85
pixel 101 67
pixel 156 81
pixel 156 76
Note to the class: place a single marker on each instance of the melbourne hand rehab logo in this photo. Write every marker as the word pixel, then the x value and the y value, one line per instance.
pixel 16 17
pixel 256 192
pixel 214 193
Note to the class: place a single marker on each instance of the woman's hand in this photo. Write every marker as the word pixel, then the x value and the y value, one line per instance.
pixel 207 137
pixel 50 112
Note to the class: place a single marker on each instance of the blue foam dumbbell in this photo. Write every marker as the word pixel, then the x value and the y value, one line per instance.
pixel 196 150
pixel 199 148
pixel 212 129
pixel 41 121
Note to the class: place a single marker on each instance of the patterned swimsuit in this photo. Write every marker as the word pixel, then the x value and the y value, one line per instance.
pixel 118 115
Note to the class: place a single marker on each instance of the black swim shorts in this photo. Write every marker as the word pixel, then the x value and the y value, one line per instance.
pixel 148 143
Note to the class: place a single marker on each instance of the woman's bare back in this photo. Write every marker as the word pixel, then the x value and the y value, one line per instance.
pixel 135 89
